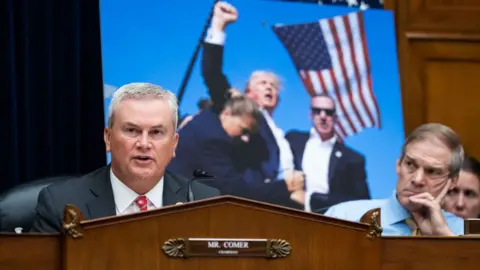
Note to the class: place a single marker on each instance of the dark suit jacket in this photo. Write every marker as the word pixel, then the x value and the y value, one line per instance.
pixel 93 195
pixel 205 145
pixel 346 174
pixel 262 151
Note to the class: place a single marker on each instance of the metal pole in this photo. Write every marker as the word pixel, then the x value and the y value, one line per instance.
pixel 186 78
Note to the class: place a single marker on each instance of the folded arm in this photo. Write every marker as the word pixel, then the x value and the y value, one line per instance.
pixel 357 189
pixel 229 180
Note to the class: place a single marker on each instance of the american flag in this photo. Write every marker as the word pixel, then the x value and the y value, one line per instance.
pixel 331 57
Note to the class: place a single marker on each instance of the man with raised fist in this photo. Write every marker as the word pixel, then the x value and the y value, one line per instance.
pixel 267 157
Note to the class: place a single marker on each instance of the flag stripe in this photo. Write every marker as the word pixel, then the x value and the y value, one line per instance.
pixel 344 81
pixel 337 79
pixel 360 61
pixel 356 72
pixel 341 101
pixel 349 77
pixel 307 82
pixel 367 63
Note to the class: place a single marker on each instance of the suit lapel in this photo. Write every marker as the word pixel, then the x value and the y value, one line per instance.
pixel 268 134
pixel 335 158
pixel 103 203
pixel 303 137
pixel 173 192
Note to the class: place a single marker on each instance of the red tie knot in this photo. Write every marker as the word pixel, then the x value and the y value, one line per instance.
pixel 142 201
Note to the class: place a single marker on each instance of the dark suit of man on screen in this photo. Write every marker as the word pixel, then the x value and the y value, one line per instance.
pixel 142 138
pixel 334 172
pixel 212 142
pixel 263 87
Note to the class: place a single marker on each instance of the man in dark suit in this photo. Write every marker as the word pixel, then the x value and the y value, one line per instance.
pixel 142 138
pixel 334 172
pixel 267 151
pixel 212 141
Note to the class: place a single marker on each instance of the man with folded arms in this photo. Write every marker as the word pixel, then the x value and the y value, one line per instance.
pixel 334 172
pixel 427 169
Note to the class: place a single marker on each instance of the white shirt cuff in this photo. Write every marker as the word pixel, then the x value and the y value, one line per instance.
pixel 215 37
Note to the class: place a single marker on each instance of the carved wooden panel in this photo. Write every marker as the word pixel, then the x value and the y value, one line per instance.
pixel 449 80
pixel 442 15
pixel 439 56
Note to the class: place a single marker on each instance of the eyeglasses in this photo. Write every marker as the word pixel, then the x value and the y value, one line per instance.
pixel 317 111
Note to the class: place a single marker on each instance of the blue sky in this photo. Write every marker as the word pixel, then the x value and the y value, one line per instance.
pixel 153 41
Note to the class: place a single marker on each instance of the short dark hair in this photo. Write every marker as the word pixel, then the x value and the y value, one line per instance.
pixel 243 106
pixel 471 165
pixel 204 103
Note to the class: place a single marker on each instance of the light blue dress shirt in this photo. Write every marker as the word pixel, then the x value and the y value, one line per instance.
pixel 392 215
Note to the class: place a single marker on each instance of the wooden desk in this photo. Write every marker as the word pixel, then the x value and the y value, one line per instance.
pixel 310 241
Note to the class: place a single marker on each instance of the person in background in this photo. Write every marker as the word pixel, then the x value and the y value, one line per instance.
pixel 464 199
pixel 141 137
pixel 202 104
pixel 428 167
pixel 209 143
pixel 334 172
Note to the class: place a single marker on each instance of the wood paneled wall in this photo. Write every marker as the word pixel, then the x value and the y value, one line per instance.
pixel 439 56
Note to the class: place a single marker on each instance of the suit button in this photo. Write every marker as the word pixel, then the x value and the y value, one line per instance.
pixel 267 181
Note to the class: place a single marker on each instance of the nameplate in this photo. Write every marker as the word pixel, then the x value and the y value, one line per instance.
pixel 226 247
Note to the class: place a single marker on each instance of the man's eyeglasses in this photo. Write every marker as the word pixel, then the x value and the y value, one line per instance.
pixel 317 111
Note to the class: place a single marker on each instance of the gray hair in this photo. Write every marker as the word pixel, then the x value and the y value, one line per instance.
pixel 446 136
pixel 143 91
pixel 258 73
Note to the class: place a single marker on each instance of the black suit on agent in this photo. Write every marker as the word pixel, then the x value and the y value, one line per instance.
pixel 346 172
pixel 93 195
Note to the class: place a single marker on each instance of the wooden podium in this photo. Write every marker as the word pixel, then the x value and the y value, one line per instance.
pixel 230 233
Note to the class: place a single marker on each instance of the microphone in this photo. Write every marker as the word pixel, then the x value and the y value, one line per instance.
pixel 198 174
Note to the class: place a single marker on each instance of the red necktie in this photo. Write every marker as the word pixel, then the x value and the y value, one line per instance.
pixel 142 202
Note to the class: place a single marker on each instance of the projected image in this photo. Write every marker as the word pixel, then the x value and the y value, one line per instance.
pixel 287 103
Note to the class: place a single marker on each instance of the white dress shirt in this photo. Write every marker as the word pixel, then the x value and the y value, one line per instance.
pixel 215 37
pixel 286 155
pixel 125 197
pixel 315 164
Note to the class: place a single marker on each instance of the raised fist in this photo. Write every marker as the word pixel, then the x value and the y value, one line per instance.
pixel 223 14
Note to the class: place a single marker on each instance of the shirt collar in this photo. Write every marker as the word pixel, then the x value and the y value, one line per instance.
pixel 266 115
pixel 314 135
pixel 393 211
pixel 124 196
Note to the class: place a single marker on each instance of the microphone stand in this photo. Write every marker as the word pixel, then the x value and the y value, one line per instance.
pixel 191 64
pixel 198 175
